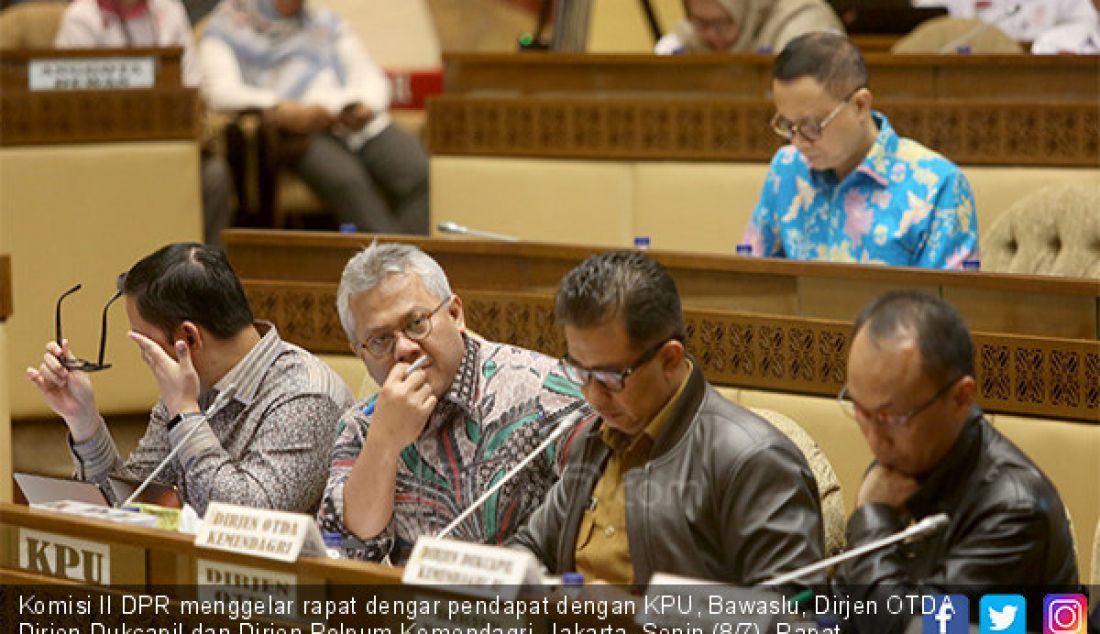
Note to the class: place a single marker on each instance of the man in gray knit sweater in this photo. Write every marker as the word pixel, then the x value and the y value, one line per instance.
pixel 268 447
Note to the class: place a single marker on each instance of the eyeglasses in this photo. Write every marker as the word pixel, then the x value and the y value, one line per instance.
pixel 857 411
pixel 417 328
pixel 81 364
pixel 611 380
pixel 809 129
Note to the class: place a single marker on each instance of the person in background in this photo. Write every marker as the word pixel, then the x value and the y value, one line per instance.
pixel 154 23
pixel 310 75
pixel 848 188
pixel 746 26
pixel 1023 20
pixel 1081 37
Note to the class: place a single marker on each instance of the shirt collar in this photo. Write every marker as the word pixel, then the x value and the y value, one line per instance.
pixel 879 160
pixel 940 488
pixel 249 372
pixel 464 388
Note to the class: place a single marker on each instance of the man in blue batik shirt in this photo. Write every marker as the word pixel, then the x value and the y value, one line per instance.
pixel 848 188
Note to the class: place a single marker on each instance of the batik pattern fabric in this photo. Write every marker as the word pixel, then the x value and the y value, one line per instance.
pixel 503 402
pixel 903 205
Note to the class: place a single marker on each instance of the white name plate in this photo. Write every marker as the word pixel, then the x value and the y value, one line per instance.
pixel 219 581
pixel 66 557
pixel 95 73
pixel 472 569
pixel 259 532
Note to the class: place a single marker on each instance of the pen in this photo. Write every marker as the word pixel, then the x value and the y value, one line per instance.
pixel 420 362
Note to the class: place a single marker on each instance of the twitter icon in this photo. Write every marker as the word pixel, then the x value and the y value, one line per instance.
pixel 1003 614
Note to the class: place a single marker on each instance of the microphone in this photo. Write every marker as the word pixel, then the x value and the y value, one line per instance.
pixel 454 227
pixel 927 526
pixel 219 403
pixel 566 424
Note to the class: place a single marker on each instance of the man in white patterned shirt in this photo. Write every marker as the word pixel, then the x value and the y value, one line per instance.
pixel 269 445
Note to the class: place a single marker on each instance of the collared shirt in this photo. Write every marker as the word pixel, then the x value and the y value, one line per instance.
pixel 603 548
pixel 904 205
pixel 1023 20
pixel 502 403
pixel 268 447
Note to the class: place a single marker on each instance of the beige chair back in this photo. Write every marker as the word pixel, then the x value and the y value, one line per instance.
pixel 946 35
pixel 1094 579
pixel 1053 231
pixel 30 24
pixel 828 486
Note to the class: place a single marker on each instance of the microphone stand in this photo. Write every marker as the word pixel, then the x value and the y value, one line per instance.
pixel 927 526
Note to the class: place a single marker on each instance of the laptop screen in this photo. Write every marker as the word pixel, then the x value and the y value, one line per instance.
pixel 37 489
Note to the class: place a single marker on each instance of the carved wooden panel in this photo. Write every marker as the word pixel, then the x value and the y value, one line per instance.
pixel 1052 378
pixel 98 116
pixel 697 127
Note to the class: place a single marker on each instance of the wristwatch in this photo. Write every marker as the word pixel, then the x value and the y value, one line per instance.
pixel 180 417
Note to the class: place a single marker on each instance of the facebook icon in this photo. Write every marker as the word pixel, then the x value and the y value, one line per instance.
pixel 945 614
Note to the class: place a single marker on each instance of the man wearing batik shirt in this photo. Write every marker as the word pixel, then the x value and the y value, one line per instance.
pixel 442 430
pixel 848 188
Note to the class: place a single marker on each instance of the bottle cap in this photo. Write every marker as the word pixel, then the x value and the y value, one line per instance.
pixel 641 242
pixel 972 265
pixel 348 227
pixel 744 249
pixel 572 579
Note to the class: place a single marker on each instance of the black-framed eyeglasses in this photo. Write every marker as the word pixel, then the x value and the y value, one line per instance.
pixel 857 411
pixel 809 129
pixel 82 364
pixel 610 380
pixel 417 328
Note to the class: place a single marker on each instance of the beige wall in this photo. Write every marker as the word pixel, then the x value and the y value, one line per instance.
pixel 5 421
pixel 619 26
pixel 397 34
pixel 84 214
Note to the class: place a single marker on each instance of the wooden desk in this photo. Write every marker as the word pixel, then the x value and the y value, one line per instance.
pixel 71 557
pixel 717 107
pixel 752 322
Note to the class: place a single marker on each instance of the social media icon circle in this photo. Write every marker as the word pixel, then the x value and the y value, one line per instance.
pixel 1064 613
pixel 1002 614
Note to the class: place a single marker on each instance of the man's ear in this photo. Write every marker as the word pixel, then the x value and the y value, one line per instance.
pixel 672 354
pixel 863 100
pixel 963 396
pixel 191 334
pixel 457 313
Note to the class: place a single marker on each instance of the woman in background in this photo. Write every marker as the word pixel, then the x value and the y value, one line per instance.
pixel 746 26
pixel 310 75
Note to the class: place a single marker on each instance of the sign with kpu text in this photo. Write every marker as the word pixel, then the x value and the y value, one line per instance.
pixel 97 73
pixel 66 557
pixel 259 532
pixel 474 569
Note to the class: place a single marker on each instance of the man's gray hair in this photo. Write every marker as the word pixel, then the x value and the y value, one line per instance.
pixel 374 264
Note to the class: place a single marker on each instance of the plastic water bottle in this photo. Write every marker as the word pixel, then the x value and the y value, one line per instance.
pixel 641 243
pixel 572 582
pixel 744 249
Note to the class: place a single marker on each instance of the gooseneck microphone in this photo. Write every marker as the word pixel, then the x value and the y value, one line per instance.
pixel 565 425
pixel 927 526
pixel 455 228
pixel 219 403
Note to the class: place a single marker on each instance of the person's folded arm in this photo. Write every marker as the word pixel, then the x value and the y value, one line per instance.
pixel 222 84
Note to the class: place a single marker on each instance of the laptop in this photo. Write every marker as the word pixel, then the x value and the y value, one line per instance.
pixel 38 489
pixel 158 493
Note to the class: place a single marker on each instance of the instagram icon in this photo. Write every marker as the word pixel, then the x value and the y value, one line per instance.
pixel 1064 614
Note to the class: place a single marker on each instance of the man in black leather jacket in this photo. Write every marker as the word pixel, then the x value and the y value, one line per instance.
pixel 672 477
pixel 911 389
